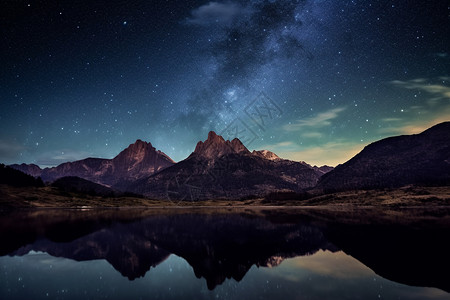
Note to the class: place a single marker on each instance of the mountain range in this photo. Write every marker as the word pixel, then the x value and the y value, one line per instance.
pixel 138 160
pixel 223 169
pixel 226 169
pixel 217 168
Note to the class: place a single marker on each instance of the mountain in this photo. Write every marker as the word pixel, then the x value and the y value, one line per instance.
pixel 138 160
pixel 266 154
pixel 93 169
pixel 323 169
pixel 30 169
pixel 396 161
pixel 215 147
pixel 13 177
pixel 226 169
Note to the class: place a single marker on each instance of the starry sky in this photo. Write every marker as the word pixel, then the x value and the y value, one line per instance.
pixel 311 80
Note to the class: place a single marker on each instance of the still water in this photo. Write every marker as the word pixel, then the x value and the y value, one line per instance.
pixel 224 254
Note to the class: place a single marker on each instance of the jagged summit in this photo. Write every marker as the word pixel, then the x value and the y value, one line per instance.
pixel 136 151
pixel 139 149
pixel 141 157
pixel 216 146
pixel 213 135
pixel 224 169
pixel 141 143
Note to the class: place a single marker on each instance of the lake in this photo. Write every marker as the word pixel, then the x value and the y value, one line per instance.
pixel 219 253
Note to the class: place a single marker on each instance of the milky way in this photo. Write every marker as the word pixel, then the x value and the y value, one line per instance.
pixel 311 80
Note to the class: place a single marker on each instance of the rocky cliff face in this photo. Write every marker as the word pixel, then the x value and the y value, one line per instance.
pixel 139 160
pixel 215 147
pixel 396 161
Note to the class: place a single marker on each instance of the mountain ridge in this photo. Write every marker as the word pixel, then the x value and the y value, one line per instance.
pixel 397 161
pixel 207 164
pixel 216 146
pixel 223 169
pixel 138 160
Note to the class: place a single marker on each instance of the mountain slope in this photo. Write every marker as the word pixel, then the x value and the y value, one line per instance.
pixel 13 177
pixel 396 161
pixel 80 185
pixel 30 169
pixel 225 169
pixel 90 168
pixel 140 159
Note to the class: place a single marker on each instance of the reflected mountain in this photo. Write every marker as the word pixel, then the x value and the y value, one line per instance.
pixel 225 244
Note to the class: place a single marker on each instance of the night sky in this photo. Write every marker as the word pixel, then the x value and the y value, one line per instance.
pixel 311 80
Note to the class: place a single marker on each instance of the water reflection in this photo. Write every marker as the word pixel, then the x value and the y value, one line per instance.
pixel 404 247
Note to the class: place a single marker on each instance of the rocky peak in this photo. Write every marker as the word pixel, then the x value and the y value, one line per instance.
pixel 266 154
pixel 237 146
pixel 141 155
pixel 140 144
pixel 212 136
pixel 215 146
pixel 136 150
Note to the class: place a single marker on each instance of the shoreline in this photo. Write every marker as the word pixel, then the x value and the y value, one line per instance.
pixel 52 198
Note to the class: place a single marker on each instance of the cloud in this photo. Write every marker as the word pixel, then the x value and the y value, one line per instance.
pixel 331 153
pixel 216 13
pixel 338 265
pixel 442 54
pixel 391 119
pixel 320 120
pixel 56 157
pixel 417 118
pixel 416 126
pixel 439 90
pixel 312 134
pixel 282 144
pixel 10 150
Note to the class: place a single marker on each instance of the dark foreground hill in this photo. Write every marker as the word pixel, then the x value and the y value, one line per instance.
pixel 418 159
pixel 13 177
pixel 79 185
